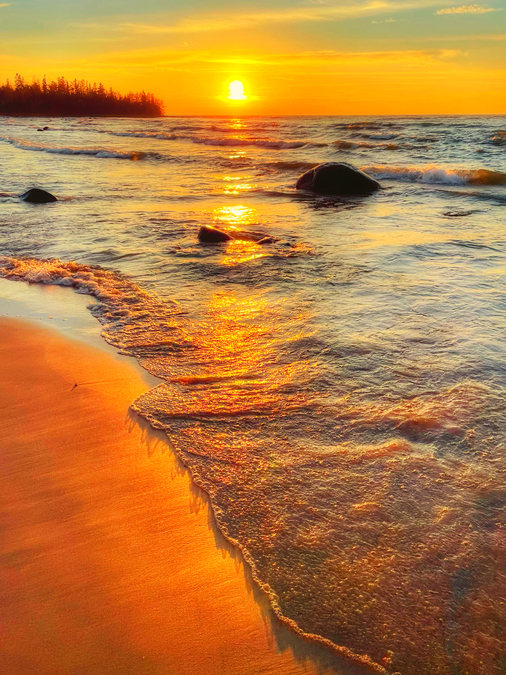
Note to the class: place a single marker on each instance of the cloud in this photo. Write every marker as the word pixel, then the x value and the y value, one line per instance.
pixel 497 37
pixel 387 21
pixel 175 60
pixel 469 9
pixel 330 55
pixel 313 12
pixel 6 4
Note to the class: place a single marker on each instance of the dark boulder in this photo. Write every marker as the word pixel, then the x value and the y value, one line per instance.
pixel 337 178
pixel 208 235
pixel 36 196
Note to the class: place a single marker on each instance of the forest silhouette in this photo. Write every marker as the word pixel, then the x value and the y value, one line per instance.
pixel 78 98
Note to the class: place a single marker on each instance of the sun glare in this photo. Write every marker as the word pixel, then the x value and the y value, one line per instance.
pixel 236 89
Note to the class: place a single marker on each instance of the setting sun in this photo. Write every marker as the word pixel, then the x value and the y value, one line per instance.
pixel 236 89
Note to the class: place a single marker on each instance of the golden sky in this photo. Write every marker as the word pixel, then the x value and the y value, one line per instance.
pixel 309 57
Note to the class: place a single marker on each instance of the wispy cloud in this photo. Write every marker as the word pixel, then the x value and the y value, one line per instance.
pixel 6 4
pixel 316 11
pixel 469 9
pixel 492 37
pixel 330 56
pixel 175 60
pixel 387 21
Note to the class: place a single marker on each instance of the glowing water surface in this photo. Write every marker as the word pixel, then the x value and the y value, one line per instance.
pixel 340 392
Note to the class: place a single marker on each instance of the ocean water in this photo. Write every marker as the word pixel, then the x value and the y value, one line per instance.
pixel 340 392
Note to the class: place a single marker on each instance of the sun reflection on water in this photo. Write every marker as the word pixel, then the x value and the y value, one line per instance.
pixel 242 251
pixel 234 187
pixel 236 371
pixel 235 217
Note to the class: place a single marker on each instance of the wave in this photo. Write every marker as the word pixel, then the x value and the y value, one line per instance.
pixel 291 166
pixel 327 543
pixel 231 130
pixel 269 143
pixel 499 138
pixel 102 153
pixel 259 143
pixel 366 124
pixel 155 332
pixel 158 135
pixel 382 137
pixel 438 175
pixel 352 145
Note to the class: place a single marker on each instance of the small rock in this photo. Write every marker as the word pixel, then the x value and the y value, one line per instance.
pixel 37 196
pixel 208 235
pixel 457 214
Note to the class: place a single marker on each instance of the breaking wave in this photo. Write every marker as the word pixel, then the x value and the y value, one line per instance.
pixel 352 145
pixel 378 520
pixel 102 153
pixel 268 143
pixel 438 175
pixel 291 165
pixel 499 138
pixel 152 330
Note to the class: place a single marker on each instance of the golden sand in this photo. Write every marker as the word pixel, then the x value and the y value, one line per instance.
pixel 109 559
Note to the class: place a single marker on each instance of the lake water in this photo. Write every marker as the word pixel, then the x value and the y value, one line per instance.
pixel 340 392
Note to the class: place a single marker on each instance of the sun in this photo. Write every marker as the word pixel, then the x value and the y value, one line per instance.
pixel 236 89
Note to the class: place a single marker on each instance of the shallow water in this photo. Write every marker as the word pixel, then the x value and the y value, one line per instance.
pixel 340 392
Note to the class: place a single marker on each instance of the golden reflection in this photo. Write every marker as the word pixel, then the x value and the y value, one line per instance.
pixel 235 217
pixel 397 237
pixel 235 187
pixel 237 124
pixel 237 371
pixel 238 154
pixel 242 251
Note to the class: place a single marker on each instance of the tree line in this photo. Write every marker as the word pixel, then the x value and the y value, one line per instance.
pixel 78 98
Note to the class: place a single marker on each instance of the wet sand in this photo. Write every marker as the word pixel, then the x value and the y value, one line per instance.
pixel 110 561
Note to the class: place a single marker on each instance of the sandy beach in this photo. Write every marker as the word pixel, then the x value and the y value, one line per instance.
pixel 110 561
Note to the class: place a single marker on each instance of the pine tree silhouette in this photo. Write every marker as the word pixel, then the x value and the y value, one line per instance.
pixel 78 98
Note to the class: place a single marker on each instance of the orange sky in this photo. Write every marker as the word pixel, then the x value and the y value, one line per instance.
pixel 310 57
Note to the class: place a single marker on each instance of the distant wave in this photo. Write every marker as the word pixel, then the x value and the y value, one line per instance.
pixel 406 140
pixel 499 138
pixel 258 126
pixel 102 153
pixel 226 142
pixel 352 145
pixel 366 124
pixel 258 142
pixel 438 175
pixel 382 137
pixel 291 165
pixel 160 135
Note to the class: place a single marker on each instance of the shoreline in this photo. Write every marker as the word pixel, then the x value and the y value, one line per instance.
pixel 152 557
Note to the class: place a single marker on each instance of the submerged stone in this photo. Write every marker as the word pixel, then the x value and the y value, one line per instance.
pixel 37 196
pixel 208 235
pixel 337 178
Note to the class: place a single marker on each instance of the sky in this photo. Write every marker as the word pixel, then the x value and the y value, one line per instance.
pixel 298 57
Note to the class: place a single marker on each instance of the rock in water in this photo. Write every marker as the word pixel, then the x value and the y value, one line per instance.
pixel 36 196
pixel 208 235
pixel 337 178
